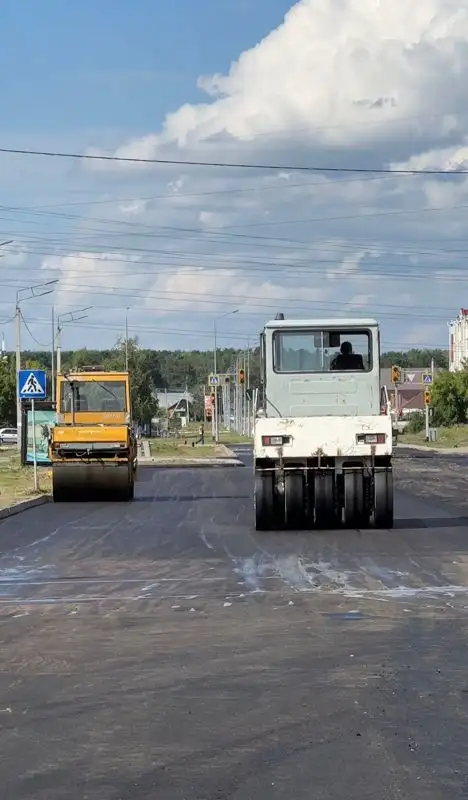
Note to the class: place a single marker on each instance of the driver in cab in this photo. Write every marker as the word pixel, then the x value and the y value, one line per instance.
pixel 347 360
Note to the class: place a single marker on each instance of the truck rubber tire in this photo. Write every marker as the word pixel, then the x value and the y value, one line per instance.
pixel 354 499
pixel 294 500
pixel 383 499
pixel 324 496
pixel 264 502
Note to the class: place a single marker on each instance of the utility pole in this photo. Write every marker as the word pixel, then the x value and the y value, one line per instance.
pixel 126 339
pixel 214 410
pixel 18 367
pixel 215 417
pixel 52 354
pixel 32 294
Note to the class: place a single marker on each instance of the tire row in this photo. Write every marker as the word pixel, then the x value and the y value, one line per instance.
pixel 316 503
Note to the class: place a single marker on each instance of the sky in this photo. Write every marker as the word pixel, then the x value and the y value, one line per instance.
pixel 336 85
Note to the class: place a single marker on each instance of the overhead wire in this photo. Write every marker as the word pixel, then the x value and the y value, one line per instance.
pixel 249 335
pixel 260 304
pixel 228 165
pixel 41 344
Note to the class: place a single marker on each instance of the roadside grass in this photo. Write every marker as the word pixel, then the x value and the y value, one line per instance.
pixel 231 437
pixel 17 482
pixel 456 436
pixel 175 448
pixel 189 434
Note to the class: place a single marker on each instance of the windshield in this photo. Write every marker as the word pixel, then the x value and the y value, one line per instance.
pixel 322 351
pixel 94 395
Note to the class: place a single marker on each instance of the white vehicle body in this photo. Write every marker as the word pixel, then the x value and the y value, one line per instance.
pixel 8 435
pixel 322 444
pixel 338 437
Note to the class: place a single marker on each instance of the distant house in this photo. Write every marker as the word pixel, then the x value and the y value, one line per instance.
pixel 175 403
pixel 410 390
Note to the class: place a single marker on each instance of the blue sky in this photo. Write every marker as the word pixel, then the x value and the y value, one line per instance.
pixel 309 82
pixel 115 66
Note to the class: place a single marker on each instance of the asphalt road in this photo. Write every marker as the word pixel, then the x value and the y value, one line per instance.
pixel 163 649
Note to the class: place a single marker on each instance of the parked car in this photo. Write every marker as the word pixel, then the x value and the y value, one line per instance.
pixel 8 435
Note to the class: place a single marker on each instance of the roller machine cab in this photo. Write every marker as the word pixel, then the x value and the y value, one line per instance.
pixel 92 448
pixel 322 445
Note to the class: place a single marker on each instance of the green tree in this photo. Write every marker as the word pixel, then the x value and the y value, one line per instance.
pixel 450 398
pixel 7 391
pixel 144 402
pixel 415 358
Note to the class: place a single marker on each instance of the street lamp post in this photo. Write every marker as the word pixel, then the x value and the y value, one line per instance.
pixel 215 416
pixel 126 339
pixel 33 292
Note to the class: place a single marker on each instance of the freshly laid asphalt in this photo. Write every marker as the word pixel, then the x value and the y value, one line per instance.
pixel 164 650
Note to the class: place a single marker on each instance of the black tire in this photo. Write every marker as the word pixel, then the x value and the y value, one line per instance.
pixel 264 502
pixel 383 499
pixel 58 496
pixel 324 500
pixel 294 500
pixel 354 513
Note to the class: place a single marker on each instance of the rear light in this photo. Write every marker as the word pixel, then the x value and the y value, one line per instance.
pixel 371 438
pixel 275 441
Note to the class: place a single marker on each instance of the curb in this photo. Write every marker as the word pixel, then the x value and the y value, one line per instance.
pixel 435 451
pixel 201 463
pixel 24 505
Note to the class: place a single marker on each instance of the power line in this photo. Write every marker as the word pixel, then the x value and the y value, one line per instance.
pixel 386 212
pixel 284 184
pixel 230 165
pixel 41 344
pixel 208 334
pixel 265 307
pixel 372 267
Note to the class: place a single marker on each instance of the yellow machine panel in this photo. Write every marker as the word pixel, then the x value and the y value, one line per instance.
pixel 92 447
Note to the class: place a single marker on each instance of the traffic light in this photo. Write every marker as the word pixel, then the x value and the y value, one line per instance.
pixel 227 379
pixel 213 398
pixel 427 397
pixel 241 376
pixel 396 374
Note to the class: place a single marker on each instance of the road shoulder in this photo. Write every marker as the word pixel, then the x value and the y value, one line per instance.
pixel 223 457
pixel 24 505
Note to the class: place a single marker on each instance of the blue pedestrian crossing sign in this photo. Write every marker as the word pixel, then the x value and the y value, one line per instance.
pixel 213 380
pixel 427 378
pixel 32 384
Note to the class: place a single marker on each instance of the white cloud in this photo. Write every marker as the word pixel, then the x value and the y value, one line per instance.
pixel 85 276
pixel 344 74
pixel 198 289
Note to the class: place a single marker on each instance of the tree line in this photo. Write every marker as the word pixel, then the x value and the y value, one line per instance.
pixel 174 370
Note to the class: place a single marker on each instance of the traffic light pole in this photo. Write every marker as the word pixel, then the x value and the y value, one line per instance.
pixel 216 415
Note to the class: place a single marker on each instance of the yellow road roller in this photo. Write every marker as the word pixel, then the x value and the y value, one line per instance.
pixel 92 448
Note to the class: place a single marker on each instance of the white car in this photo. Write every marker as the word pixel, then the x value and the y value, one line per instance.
pixel 8 435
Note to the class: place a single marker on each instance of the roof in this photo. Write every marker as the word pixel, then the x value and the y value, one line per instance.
pixel 334 322
pixel 172 398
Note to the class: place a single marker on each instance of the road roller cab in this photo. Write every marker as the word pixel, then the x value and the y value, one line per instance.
pixel 92 446
pixel 322 446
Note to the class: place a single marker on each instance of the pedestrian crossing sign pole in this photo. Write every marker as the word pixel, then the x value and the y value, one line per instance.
pixel 32 385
